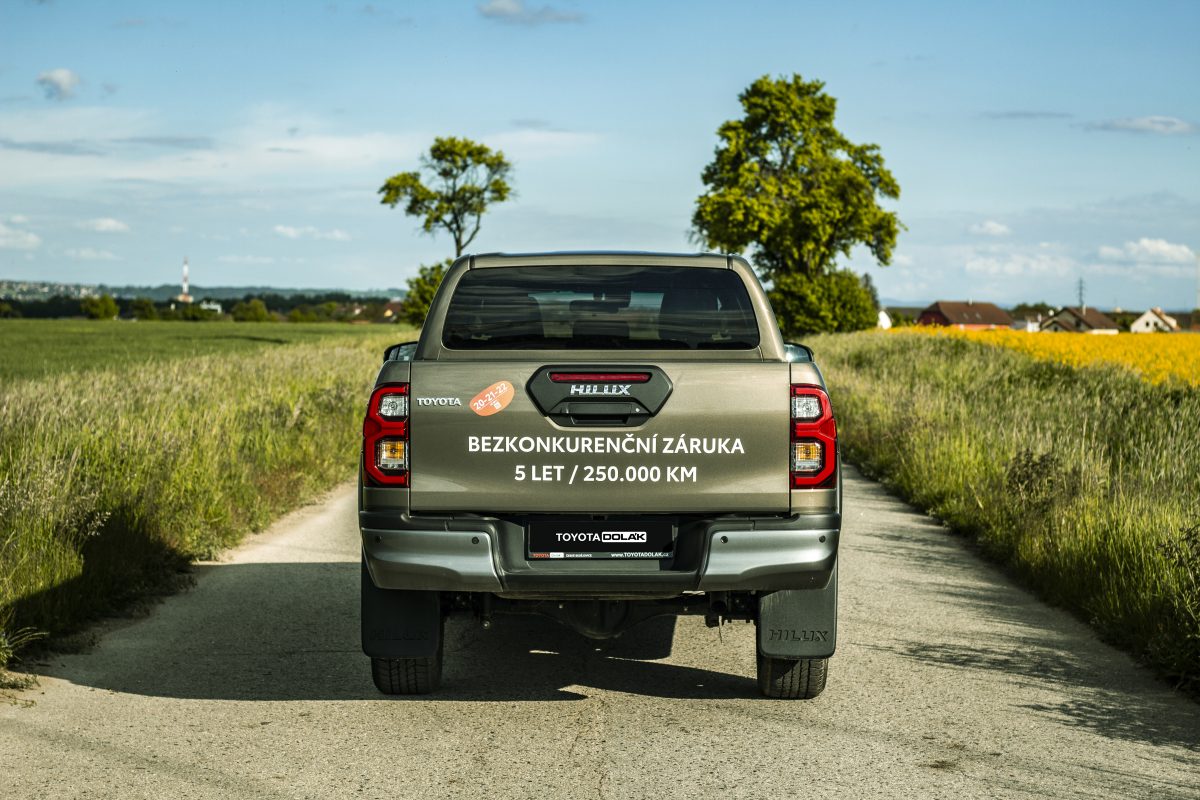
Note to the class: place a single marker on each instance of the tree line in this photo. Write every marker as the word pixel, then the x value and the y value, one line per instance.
pixel 268 307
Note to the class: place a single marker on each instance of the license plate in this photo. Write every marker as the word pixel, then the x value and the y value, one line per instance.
pixel 605 539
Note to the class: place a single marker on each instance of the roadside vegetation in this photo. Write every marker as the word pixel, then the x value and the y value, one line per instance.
pixel 1085 481
pixel 113 479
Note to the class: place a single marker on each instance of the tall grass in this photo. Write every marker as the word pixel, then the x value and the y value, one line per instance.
pixel 111 479
pixel 1086 481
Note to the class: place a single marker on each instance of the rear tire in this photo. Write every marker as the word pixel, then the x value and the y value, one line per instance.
pixel 792 679
pixel 408 675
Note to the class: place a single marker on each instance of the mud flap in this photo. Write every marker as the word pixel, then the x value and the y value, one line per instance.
pixel 399 624
pixel 799 623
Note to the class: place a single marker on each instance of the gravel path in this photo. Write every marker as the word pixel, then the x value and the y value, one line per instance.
pixel 949 682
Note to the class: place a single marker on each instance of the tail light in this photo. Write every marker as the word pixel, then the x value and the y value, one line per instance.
pixel 814 438
pixel 385 435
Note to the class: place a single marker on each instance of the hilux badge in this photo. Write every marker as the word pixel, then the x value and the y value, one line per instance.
pixel 601 389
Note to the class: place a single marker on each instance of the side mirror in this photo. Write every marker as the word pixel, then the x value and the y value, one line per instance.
pixel 400 352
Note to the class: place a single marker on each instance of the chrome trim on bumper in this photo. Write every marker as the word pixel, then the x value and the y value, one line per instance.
pixel 766 559
pixel 431 560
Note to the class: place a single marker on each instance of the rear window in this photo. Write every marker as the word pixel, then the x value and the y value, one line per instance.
pixel 600 308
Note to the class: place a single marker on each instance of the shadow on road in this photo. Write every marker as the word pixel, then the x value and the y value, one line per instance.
pixel 1013 633
pixel 290 632
pixel 1093 702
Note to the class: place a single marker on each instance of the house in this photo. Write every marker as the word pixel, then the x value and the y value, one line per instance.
pixel 393 311
pixel 970 316
pixel 1028 324
pixel 1154 321
pixel 1075 319
pixel 885 320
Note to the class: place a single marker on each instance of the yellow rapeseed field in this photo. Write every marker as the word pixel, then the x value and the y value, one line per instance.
pixel 1157 357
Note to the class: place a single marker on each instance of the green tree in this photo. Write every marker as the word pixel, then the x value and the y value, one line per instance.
pixel 253 310
pixel 786 182
pixel 143 308
pixel 838 302
pixel 1023 310
pixel 7 311
pixel 464 178
pixel 191 312
pixel 102 307
pixel 787 185
pixel 421 290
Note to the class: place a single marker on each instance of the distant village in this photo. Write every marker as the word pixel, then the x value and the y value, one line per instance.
pixel 45 299
pixel 979 316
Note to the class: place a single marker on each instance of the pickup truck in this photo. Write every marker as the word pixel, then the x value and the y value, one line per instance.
pixel 600 438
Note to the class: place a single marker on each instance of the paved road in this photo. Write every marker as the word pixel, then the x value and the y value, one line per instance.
pixel 949 682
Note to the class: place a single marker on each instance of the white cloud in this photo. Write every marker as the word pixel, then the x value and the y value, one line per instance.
pixel 1011 264
pixel 515 12
pixel 1003 261
pixel 1162 125
pixel 1149 251
pixel 309 232
pixel 18 219
pixel 252 260
pixel 901 260
pixel 66 144
pixel 990 227
pixel 17 239
pixel 90 254
pixel 532 144
pixel 1142 273
pixel 58 84
pixel 105 225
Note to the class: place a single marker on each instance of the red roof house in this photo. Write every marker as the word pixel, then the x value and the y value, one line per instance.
pixel 969 316
pixel 1080 320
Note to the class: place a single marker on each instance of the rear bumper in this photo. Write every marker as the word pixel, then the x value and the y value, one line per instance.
pixel 439 560
pixel 479 554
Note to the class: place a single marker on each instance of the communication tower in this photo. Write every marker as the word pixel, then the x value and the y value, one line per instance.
pixel 184 297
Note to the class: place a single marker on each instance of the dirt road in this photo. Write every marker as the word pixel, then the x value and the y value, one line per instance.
pixel 949 682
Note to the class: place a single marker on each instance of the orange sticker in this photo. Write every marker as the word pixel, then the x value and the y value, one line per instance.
pixel 493 399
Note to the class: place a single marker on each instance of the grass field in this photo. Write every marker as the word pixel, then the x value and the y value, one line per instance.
pixel 33 348
pixel 1084 480
pixel 1157 358
pixel 117 470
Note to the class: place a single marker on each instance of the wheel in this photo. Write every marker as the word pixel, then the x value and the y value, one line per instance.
pixel 407 675
pixel 412 619
pixel 792 679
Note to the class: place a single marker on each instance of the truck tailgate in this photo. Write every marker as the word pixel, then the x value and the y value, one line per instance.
pixel 719 442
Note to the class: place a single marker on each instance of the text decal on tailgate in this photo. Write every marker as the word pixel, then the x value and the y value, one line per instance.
pixel 493 399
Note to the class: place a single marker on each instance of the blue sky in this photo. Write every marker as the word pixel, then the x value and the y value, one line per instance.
pixel 1035 143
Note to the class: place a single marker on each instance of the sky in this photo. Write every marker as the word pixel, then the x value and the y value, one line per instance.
pixel 1036 143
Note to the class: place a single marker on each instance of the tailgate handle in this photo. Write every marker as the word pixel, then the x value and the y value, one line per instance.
pixel 603 413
